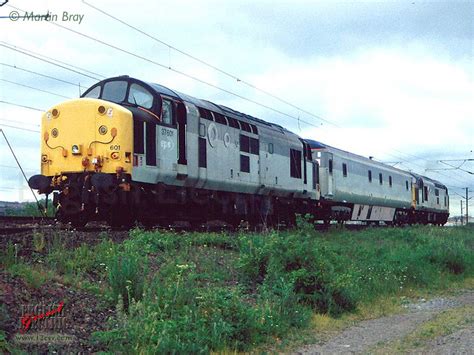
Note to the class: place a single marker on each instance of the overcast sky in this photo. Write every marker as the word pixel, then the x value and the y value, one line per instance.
pixel 394 79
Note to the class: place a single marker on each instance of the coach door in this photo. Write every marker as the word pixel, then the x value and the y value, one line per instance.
pixel 330 175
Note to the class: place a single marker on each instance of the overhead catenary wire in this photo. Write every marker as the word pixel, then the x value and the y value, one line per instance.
pixel 34 88
pixel 54 59
pixel 222 71
pixel 40 74
pixel 23 106
pixel 13 48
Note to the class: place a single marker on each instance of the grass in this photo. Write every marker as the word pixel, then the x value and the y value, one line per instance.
pixel 212 292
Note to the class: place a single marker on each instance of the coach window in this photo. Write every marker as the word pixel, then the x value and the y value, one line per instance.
pixel 330 166
pixel 115 91
pixel 390 181
pixel 167 112
pixel 344 169
pixel 370 175
pixel 94 93
pixel 380 178
pixel 140 96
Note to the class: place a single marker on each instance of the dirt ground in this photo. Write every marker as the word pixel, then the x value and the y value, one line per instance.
pixel 366 335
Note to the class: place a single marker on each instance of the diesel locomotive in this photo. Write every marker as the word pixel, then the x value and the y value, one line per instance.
pixel 130 150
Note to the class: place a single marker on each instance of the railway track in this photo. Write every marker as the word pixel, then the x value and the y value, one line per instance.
pixel 19 224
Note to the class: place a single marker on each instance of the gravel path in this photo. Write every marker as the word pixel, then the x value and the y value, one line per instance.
pixel 460 342
pixel 366 334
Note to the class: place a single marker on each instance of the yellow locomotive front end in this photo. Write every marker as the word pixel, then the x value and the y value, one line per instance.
pixel 86 159
pixel 86 135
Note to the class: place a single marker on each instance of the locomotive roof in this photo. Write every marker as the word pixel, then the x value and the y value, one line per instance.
pixel 212 106
pixel 224 110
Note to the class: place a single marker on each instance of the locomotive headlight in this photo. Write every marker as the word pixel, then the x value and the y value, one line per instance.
pixel 76 149
pixel 103 130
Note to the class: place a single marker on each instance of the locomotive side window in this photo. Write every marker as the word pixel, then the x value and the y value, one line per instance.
pixel 203 113
pixel 270 148
pixel 114 91
pixel 233 122
pixel 94 93
pixel 344 169
pixel 245 126
pixel 138 137
pixel 244 164
pixel 295 163
pixel 202 151
pixel 167 112
pixel 406 184
pixel 330 166
pixel 249 145
pixel 254 129
pixel 380 178
pixel 437 196
pixel 244 143
pixel 370 175
pixel 254 146
pixel 425 193
pixel 220 118
pixel 390 181
pixel 140 96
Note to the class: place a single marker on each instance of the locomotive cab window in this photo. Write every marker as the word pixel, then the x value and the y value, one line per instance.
pixel 115 91
pixel 94 93
pixel 140 96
